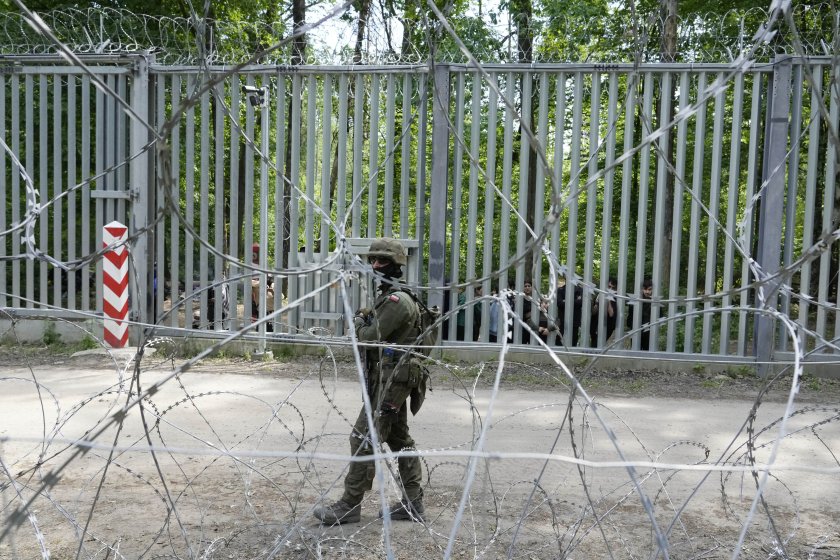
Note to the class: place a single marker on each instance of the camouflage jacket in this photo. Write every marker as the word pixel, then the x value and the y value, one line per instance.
pixel 394 321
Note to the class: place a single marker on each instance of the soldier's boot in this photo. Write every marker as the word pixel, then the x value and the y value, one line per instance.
pixel 406 510
pixel 338 513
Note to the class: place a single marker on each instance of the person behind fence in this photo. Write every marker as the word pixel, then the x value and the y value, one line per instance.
pixel 569 339
pixel 255 289
pixel 543 325
pixel 610 314
pixel 392 376
pixel 528 290
pixel 461 318
pixel 644 305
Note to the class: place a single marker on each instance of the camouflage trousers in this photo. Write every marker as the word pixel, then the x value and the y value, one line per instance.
pixel 393 430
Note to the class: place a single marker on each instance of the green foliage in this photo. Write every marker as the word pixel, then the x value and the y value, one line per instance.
pixel 51 336
pixel 87 343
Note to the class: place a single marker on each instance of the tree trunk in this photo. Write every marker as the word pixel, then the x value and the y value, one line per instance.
pixel 668 53
pixel 298 58
pixel 363 6
pixel 523 12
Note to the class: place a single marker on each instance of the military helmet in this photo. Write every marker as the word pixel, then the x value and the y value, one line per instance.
pixel 389 248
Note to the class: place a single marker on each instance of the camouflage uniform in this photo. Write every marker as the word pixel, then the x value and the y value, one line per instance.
pixel 391 376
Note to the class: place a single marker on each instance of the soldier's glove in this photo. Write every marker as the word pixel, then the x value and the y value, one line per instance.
pixel 388 409
pixel 362 318
pixel 364 312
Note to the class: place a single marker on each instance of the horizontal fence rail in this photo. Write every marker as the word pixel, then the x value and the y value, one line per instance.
pixel 260 188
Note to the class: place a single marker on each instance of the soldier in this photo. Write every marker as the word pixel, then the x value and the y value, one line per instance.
pixel 391 376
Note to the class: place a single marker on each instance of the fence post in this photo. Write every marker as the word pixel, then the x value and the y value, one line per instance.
pixel 141 189
pixel 115 285
pixel 772 201
pixel 440 183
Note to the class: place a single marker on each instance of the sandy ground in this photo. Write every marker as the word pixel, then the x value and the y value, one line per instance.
pixel 227 461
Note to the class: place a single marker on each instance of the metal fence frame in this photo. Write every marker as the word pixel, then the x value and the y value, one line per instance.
pixel 431 176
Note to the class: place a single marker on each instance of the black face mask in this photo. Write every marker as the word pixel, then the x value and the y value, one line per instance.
pixel 393 270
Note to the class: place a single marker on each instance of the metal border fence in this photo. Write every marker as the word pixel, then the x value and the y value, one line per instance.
pixel 739 160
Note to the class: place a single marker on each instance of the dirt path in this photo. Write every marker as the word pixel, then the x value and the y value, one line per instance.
pixel 243 452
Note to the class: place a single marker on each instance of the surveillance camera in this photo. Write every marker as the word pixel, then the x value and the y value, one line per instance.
pixel 256 96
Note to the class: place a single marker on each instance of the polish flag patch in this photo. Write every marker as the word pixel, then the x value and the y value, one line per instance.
pixel 394 297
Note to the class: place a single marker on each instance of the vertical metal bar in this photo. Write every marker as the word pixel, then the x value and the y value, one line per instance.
pixel 72 217
pixel 540 176
pixel 233 245
pixel 715 187
pixel 139 188
pixel 731 209
pixel 326 165
pixel 341 180
pixel 280 186
pixel 358 154
pixel 119 146
pixel 472 204
pixel 772 204
pixel 454 275
pixel 311 162
pixel 173 188
pixel 85 249
pixel 4 196
pixel 557 193
pixel 810 207
pixel 626 196
pixel 341 162
pixel 294 208
pixel 373 159
pixel 539 204
pixel 440 182
pixel 607 213
pixel 16 201
pixel 265 139
pixel 405 156
pixel 641 216
pixel 219 271
pixel 662 173
pixel 30 166
pixel 828 223
pixel 524 270
pixel 591 204
pixel 490 202
pixel 108 149
pixel 248 231
pixel 746 225
pixel 792 195
pixel 575 171
pixel 100 184
pixel 174 222
pixel 677 228
pixel 507 173
pixel 43 187
pixel 694 227
pixel 420 185
pixel 388 195
pixel 189 210
pixel 247 202
pixel 58 188
pixel 204 202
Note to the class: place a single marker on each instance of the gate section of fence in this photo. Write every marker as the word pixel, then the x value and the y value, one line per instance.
pixel 73 161
pixel 715 185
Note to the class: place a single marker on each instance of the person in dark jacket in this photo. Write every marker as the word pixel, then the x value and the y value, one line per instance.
pixel 644 307
pixel 610 313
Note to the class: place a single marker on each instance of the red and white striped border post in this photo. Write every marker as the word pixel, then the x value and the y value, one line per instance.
pixel 115 285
